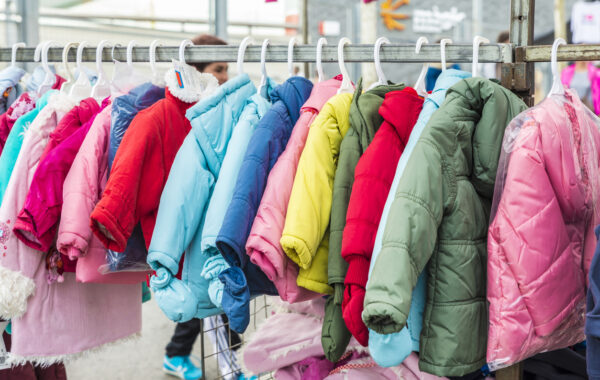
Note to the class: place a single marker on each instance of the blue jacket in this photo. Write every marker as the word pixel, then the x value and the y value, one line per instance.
pixel 124 109
pixel 267 143
pixel 592 321
pixel 391 349
pixel 185 198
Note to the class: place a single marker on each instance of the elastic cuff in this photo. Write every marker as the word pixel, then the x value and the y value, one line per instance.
pixel 383 317
pixel 297 250
pixel 157 259
pixel 100 222
pixel 358 270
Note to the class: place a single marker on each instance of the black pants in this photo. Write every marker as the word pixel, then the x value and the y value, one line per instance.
pixel 186 333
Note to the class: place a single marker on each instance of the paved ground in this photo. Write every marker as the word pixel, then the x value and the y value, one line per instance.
pixel 142 357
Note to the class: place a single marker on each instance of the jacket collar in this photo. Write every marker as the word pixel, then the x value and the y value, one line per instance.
pixel 410 103
pixel 292 94
pixel 446 80
pixel 198 85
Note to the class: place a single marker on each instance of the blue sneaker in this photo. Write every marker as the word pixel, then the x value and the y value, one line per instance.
pixel 244 377
pixel 181 367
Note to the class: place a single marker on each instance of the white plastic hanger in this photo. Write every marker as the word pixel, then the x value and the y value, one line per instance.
pixel 443 44
pixel 381 79
pixel 66 86
pixel 13 57
pixel 101 89
pixel 322 41
pixel 241 51
pixel 130 46
pixel 291 56
pixel 557 86
pixel 478 40
pixel 157 79
pixel 50 78
pixel 263 65
pixel 82 87
pixel 420 84
pixel 346 86
pixel 182 46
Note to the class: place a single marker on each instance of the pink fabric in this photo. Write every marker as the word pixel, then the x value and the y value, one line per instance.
pixel 541 241
pixel 594 76
pixel 82 189
pixel 65 318
pixel 263 246
pixel 20 107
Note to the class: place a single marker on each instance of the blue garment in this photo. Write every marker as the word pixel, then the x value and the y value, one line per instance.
pixel 15 141
pixel 432 75
pixel 267 143
pixel 185 198
pixel 391 349
pixel 9 86
pixel 592 321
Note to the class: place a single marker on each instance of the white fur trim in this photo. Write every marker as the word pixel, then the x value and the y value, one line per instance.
pixel 15 289
pixel 198 85
pixel 46 361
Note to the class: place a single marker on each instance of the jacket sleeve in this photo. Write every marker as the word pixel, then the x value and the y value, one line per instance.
pixel 309 208
pixel 408 242
pixel 182 206
pixel 132 178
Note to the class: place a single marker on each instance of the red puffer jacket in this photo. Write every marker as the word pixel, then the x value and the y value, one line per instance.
pixel 372 180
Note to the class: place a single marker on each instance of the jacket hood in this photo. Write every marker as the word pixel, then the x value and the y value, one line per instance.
pixel 146 94
pixel 10 77
pixel 198 85
pixel 213 122
pixel 402 123
pixel 321 92
pixel 364 118
pixel 292 93
pixel 481 102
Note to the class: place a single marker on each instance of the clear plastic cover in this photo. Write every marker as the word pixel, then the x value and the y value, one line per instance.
pixel 133 259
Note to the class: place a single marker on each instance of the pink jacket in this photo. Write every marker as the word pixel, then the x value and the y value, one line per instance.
pixel 20 107
pixel 52 322
pixel 82 189
pixel 289 342
pixel 263 243
pixel 541 240
pixel 594 76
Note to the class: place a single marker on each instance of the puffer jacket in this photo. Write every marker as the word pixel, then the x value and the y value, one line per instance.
pixel 85 325
pixel 372 180
pixel 263 246
pixel 265 146
pixel 37 223
pixel 305 237
pixel 391 349
pixel 364 123
pixel 125 108
pixel 82 189
pixel 9 86
pixel 537 275
pixel 445 192
pixel 143 163
pixel 184 201
pixel 14 141
pixel 18 108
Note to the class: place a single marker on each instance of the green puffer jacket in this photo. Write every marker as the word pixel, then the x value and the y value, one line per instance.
pixel 364 123
pixel 439 219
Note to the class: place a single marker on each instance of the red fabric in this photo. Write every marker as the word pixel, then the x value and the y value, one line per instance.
pixel 37 223
pixel 372 181
pixel 139 173
pixel 58 83
pixel 20 107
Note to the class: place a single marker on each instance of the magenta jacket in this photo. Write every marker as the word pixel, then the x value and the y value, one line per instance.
pixel 541 238
pixel 594 76
pixel 82 189
pixel 263 243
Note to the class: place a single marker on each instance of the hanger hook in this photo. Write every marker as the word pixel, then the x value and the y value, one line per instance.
pixel 13 57
pixel 380 75
pixel 346 85
pixel 45 49
pixel 182 46
pixel 130 46
pixel 420 84
pixel 37 56
pixel 557 86
pixel 443 44
pixel 112 52
pixel 80 48
pixel 99 50
pixel 478 40
pixel 152 56
pixel 291 45
pixel 241 51
pixel 263 60
pixel 65 59
pixel 322 41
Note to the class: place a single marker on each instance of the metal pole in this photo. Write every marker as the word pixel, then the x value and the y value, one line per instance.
pixel 305 33
pixel 220 8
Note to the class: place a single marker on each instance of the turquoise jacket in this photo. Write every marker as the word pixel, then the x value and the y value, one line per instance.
pixel 185 199
pixel 391 349
pixel 15 140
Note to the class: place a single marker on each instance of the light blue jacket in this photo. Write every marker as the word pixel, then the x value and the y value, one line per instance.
pixel 15 141
pixel 9 79
pixel 185 199
pixel 391 349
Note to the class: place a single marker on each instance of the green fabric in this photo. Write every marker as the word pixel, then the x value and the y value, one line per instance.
pixel 146 293
pixel 8 328
pixel 364 123
pixel 439 219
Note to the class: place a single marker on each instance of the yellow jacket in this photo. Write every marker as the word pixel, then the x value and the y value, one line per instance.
pixel 305 236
